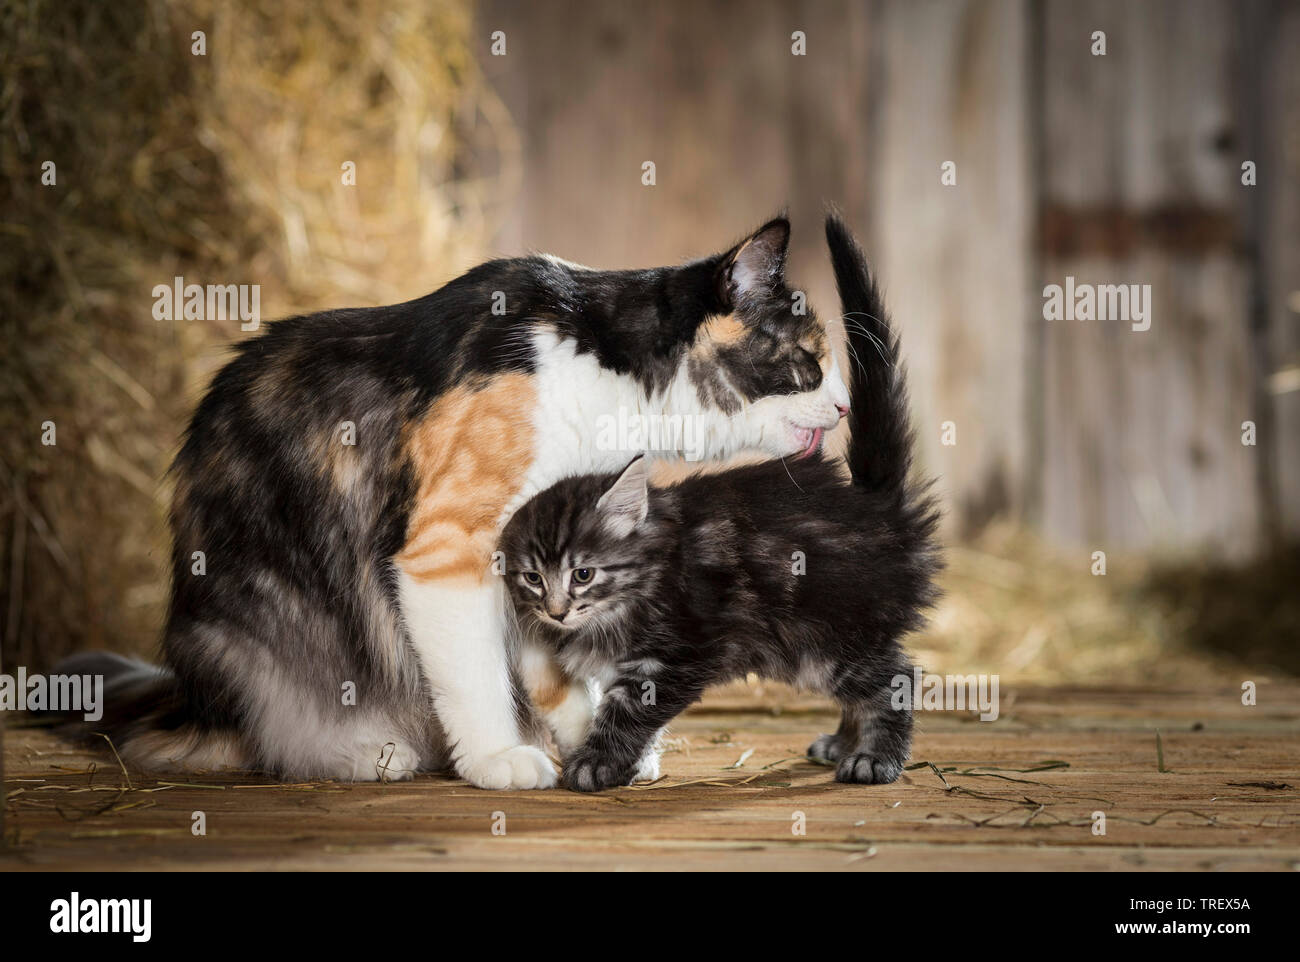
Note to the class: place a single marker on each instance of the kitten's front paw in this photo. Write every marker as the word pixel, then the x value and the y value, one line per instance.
pixel 589 772
pixel 827 747
pixel 520 767
pixel 864 768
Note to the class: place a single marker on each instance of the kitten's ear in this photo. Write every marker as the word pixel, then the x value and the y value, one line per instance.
pixel 627 501
pixel 757 264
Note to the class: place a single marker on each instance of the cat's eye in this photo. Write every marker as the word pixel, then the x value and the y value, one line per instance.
pixel 582 576
pixel 533 578
pixel 806 371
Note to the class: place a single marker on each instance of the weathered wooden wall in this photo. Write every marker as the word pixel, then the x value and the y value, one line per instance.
pixel 1123 168
pixel 1276 102
pixel 1140 183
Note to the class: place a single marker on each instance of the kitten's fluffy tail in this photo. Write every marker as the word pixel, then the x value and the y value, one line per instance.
pixel 145 717
pixel 880 442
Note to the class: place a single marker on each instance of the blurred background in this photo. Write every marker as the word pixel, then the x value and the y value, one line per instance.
pixel 499 127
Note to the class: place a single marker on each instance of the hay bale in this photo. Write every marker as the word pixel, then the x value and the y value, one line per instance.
pixel 224 168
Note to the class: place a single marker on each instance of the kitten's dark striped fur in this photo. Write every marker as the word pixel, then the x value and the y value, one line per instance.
pixel 660 592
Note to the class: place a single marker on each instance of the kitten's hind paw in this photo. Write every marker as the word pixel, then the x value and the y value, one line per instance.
pixel 826 747
pixel 863 768
pixel 520 767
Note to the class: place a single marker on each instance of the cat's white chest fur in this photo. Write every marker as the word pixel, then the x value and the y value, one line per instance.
pixel 574 394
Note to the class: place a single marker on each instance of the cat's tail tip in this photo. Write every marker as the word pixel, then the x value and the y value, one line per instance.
pixel 880 442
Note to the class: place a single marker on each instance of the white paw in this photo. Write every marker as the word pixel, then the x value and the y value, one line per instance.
pixel 520 767
pixel 647 769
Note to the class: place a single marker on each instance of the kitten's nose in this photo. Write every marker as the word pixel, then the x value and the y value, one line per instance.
pixel 557 615
pixel 843 409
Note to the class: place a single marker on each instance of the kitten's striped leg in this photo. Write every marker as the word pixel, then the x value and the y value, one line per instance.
pixel 879 751
pixel 622 745
pixel 875 737
pixel 457 627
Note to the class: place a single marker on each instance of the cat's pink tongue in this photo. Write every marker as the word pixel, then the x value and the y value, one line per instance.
pixel 814 443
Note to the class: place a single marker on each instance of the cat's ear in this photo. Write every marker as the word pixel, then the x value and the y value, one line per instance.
pixel 627 501
pixel 757 264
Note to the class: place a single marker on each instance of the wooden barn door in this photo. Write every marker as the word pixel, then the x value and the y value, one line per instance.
pixel 1137 434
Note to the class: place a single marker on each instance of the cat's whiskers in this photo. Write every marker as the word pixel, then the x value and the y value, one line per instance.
pixel 790 476
pixel 853 357
pixel 866 332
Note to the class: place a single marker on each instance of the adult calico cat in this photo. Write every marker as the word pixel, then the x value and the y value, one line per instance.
pixel 348 473
pixel 787 570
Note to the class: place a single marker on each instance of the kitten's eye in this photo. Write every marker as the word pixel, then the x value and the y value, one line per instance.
pixel 582 576
pixel 533 578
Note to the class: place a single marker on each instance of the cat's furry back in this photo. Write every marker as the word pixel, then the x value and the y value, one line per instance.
pixel 784 568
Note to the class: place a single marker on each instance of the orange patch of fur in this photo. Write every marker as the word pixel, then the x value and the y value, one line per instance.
pixel 721 331
pixel 469 453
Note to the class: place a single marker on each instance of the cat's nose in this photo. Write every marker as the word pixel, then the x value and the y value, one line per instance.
pixel 557 615
pixel 843 409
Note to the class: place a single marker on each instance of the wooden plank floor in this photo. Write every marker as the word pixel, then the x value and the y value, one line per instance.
pixel 1229 800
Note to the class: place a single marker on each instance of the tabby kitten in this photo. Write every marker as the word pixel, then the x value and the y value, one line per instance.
pixel 786 569
pixel 345 480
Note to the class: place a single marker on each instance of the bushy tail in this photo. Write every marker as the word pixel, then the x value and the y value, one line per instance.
pixel 145 717
pixel 880 442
